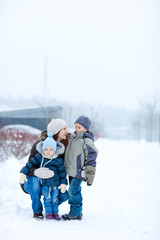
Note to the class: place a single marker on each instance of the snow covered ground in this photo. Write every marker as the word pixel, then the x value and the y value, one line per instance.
pixel 122 204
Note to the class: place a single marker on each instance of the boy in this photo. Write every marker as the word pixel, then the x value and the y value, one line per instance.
pixel 80 163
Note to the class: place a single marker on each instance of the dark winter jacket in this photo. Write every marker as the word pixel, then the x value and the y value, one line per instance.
pixel 36 148
pixel 33 153
pixel 81 153
pixel 56 165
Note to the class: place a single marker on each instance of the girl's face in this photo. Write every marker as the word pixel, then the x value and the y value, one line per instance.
pixel 62 134
pixel 48 151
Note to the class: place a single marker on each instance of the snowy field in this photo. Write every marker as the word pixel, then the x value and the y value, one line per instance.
pixel 122 204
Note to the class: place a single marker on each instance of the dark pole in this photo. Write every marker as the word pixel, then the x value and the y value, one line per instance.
pixel 45 87
pixel 159 129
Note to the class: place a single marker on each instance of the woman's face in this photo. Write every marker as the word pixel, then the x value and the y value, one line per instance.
pixel 62 134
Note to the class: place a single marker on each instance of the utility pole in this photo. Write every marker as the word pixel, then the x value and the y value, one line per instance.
pixel 45 86
pixel 159 130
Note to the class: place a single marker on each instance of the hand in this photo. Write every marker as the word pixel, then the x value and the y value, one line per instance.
pixel 23 178
pixel 63 187
pixel 90 174
pixel 89 184
pixel 43 173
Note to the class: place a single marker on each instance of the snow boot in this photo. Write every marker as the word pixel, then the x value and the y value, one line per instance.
pixel 49 216
pixel 70 217
pixel 56 217
pixel 38 216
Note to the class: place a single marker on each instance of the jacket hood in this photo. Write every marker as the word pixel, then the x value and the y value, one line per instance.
pixel 60 148
pixel 85 135
pixel 88 135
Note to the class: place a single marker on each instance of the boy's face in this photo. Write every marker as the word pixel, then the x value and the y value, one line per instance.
pixel 48 151
pixel 79 128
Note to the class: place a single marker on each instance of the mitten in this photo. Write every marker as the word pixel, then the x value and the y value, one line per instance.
pixel 23 178
pixel 62 187
pixel 43 173
pixel 90 174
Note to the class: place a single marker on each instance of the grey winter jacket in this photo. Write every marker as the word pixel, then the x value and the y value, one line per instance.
pixel 81 153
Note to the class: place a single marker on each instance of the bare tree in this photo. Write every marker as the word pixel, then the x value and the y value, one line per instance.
pixel 148 116
pixel 137 127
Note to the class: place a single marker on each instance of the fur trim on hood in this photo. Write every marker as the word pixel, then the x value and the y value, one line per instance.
pixel 59 151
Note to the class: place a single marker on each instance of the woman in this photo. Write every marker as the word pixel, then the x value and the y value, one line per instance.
pixel 32 185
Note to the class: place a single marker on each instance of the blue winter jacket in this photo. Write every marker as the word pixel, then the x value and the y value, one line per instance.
pixel 56 165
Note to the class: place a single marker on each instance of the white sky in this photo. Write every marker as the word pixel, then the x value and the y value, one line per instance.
pixel 98 51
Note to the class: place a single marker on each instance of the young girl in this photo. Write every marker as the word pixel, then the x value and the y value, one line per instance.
pixel 52 178
pixel 32 186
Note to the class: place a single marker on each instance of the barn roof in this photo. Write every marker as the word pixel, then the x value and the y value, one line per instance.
pixel 41 112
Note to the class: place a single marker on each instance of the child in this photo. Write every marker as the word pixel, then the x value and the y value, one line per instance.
pixel 80 163
pixel 33 186
pixel 52 178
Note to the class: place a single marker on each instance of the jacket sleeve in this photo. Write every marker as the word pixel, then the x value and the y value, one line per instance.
pixel 34 162
pixel 33 151
pixel 90 161
pixel 32 155
pixel 91 153
pixel 62 172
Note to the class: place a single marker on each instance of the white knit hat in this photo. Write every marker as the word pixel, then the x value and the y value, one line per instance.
pixel 56 125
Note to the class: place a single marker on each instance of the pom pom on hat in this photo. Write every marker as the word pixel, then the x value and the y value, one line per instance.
pixel 84 121
pixel 50 134
pixel 56 125
pixel 49 142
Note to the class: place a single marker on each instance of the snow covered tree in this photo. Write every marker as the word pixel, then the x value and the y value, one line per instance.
pixel 16 142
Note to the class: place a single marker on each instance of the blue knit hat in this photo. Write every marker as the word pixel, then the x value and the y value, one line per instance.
pixel 84 121
pixel 49 142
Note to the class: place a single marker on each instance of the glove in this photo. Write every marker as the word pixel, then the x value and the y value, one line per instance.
pixel 43 173
pixel 63 187
pixel 23 178
pixel 90 174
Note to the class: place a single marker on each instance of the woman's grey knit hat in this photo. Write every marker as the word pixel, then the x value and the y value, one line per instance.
pixel 56 125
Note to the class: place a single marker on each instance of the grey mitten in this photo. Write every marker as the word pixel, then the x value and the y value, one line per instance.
pixel 43 173
pixel 90 174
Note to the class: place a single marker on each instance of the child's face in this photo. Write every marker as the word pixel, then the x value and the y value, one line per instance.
pixel 79 128
pixel 48 151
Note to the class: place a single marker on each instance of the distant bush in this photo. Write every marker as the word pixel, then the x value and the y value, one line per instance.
pixel 16 142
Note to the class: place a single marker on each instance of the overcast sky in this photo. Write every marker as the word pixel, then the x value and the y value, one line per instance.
pixel 95 51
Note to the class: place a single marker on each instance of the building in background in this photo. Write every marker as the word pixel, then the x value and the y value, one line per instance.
pixel 34 117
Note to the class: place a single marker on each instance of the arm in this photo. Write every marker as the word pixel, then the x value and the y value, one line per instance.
pixel 90 152
pixel 62 174
pixel 33 151
pixel 90 161
pixel 32 155
pixel 34 162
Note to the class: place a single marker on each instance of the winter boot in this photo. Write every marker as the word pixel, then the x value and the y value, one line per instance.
pixel 70 217
pixel 38 216
pixel 56 217
pixel 49 216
